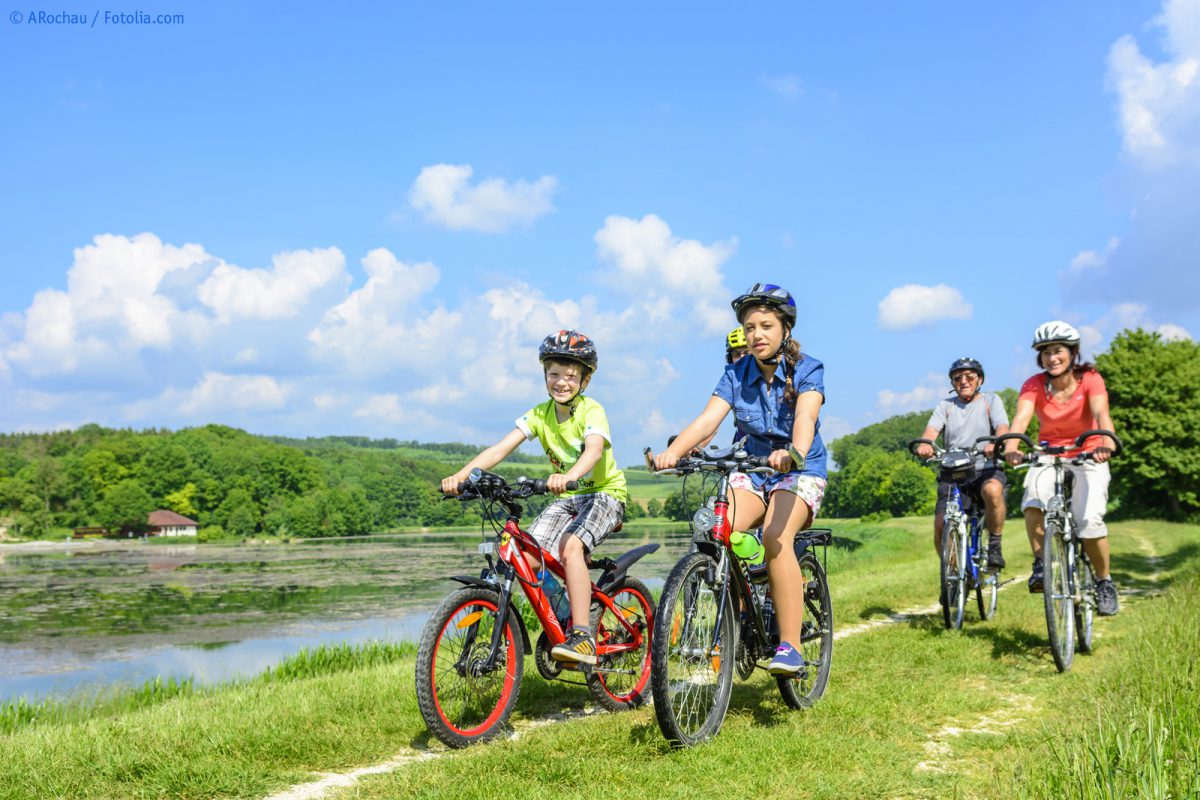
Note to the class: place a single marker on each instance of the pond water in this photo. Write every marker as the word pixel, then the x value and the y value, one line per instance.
pixel 81 616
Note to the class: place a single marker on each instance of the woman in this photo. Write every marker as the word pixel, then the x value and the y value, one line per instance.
pixel 1069 397
pixel 776 397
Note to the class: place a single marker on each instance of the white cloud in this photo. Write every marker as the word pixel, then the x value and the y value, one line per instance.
pixel 924 395
pixel 673 277
pixel 911 305
pixel 1160 102
pixel 787 86
pixel 1173 333
pixel 445 195
pixel 217 392
pixel 282 291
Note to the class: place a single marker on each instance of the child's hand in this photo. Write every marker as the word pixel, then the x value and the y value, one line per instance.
pixel 450 484
pixel 556 484
pixel 780 461
pixel 665 460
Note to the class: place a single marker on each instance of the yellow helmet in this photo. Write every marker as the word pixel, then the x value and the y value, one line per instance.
pixel 736 338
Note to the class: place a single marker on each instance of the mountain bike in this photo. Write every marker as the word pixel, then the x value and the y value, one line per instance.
pixel 964 558
pixel 471 656
pixel 1069 584
pixel 717 615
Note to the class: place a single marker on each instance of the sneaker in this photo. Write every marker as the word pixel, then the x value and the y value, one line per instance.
pixel 579 647
pixel 1035 577
pixel 787 661
pixel 1106 598
pixel 995 557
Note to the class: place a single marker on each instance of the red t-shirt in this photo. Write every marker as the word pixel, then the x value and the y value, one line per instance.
pixel 1061 423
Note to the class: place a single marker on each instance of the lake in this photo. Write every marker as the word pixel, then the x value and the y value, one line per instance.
pixel 81 616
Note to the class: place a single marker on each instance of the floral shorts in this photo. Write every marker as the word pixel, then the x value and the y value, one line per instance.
pixel 808 488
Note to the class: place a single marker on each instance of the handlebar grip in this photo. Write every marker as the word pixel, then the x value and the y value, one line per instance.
pixel 572 485
pixel 649 454
pixel 539 486
pixel 1083 437
pixel 1020 436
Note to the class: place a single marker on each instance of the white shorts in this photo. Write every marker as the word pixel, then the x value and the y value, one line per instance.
pixel 1089 495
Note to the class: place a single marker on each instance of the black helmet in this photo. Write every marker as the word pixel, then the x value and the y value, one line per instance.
pixel 569 345
pixel 770 295
pixel 966 362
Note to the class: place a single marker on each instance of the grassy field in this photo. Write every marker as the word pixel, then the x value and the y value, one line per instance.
pixel 644 486
pixel 912 710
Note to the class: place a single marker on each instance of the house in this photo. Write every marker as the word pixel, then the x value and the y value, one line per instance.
pixel 168 523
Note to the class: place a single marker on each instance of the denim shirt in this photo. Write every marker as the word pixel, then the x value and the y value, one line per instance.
pixel 761 414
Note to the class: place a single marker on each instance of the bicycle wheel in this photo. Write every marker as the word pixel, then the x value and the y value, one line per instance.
pixel 987 587
pixel 618 681
pixel 1085 607
pixel 816 639
pixel 690 677
pixel 460 701
pixel 954 575
pixel 1060 616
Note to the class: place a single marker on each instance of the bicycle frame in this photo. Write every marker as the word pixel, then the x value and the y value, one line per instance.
pixel 513 544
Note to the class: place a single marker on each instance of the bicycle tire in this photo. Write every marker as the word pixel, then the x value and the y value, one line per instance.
pixel 1085 609
pixel 460 708
pixel 987 593
pixel 953 574
pixel 691 685
pixel 816 639
pixel 626 686
pixel 1060 617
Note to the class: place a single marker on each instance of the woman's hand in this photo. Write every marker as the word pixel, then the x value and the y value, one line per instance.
pixel 1102 454
pixel 665 460
pixel 781 461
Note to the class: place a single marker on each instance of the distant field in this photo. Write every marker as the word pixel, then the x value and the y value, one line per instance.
pixel 644 487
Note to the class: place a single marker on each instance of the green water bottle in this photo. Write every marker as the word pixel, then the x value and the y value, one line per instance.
pixel 747 547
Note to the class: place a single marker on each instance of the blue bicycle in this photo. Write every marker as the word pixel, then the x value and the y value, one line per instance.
pixel 964 558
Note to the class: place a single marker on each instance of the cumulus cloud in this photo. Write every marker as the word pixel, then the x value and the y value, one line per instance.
pixel 911 306
pixel 217 392
pixel 921 396
pixel 1097 334
pixel 282 291
pixel 1172 332
pixel 673 277
pixel 444 193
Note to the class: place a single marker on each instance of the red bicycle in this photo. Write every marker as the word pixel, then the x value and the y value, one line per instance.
pixel 472 650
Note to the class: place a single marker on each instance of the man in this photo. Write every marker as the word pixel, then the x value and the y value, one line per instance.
pixel 964 418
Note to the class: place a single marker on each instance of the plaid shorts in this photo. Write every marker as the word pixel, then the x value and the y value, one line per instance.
pixel 808 488
pixel 591 517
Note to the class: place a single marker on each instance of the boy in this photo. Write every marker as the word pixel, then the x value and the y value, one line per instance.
pixel 573 430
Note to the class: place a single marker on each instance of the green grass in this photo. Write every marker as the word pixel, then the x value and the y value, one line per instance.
pixel 912 710
pixel 643 486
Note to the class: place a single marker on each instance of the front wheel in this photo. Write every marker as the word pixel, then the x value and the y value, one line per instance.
pixel 816 639
pixel 618 681
pixel 462 699
pixel 1085 605
pixel 1060 612
pixel 692 653
pixel 954 573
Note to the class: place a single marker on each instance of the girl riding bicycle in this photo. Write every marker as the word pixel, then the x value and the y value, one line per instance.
pixel 1069 398
pixel 776 397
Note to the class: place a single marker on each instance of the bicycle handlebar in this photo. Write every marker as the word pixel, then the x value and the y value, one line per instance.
pixel 1058 451
pixel 724 461
pixel 489 485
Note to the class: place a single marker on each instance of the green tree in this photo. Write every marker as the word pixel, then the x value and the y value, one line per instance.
pixel 1154 396
pixel 238 513
pixel 654 508
pixel 181 501
pixel 125 506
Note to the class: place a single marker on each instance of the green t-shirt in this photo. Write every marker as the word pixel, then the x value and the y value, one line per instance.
pixel 563 444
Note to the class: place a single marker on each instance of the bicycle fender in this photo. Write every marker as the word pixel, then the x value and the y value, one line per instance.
pixel 468 580
pixel 621 565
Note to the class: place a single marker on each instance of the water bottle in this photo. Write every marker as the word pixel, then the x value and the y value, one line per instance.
pixel 556 593
pixel 747 547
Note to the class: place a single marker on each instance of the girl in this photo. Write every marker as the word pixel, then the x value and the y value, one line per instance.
pixel 775 397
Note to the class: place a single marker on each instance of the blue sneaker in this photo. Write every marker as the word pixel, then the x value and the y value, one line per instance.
pixel 787 661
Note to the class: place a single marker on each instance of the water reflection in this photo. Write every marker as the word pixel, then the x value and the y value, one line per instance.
pixel 93 614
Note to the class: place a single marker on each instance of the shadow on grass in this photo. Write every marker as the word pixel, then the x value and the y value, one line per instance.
pixel 1132 570
pixel 876 611
pixel 1011 642
pixel 844 543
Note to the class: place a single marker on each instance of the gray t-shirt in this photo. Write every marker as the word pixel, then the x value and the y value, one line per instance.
pixel 962 423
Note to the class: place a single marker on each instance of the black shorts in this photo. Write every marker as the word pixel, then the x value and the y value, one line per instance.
pixel 969 490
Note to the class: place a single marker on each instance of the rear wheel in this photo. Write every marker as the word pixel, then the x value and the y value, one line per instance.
pixel 462 700
pixel 1085 607
pixel 816 639
pixel 953 572
pixel 692 653
pixel 619 680
pixel 1060 611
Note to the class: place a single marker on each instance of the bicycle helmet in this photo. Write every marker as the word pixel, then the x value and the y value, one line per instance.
pixel 736 338
pixel 770 295
pixel 966 362
pixel 1055 332
pixel 569 345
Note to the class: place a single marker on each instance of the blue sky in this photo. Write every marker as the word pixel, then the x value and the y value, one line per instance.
pixel 362 219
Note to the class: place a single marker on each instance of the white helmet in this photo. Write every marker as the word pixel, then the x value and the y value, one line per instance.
pixel 1055 332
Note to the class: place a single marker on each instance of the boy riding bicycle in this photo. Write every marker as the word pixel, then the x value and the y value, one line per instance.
pixel 573 430
pixel 964 418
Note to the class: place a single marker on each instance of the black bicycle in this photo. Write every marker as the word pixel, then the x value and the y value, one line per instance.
pixel 1068 582
pixel 717 618
pixel 964 556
